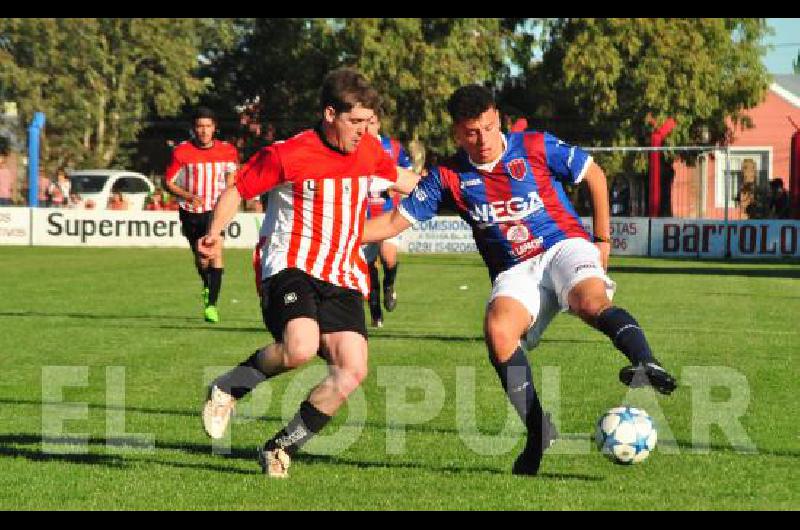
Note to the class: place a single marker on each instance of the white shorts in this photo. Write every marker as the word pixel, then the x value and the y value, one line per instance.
pixel 542 284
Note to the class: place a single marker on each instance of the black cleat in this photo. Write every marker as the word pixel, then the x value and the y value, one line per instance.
pixel 527 463
pixel 648 374
pixel 389 299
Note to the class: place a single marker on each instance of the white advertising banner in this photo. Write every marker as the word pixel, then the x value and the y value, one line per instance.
pixel 15 226
pixel 711 238
pixel 110 228
pixel 440 234
pixel 451 234
pixel 629 235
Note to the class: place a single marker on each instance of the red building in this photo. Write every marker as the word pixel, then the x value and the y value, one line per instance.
pixel 757 156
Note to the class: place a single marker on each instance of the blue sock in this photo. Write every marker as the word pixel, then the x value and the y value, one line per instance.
pixel 625 333
pixel 515 376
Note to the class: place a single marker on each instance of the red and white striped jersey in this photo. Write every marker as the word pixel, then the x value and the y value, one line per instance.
pixel 202 171
pixel 316 207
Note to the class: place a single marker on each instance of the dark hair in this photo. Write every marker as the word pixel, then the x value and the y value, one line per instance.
pixel 345 87
pixel 204 112
pixel 776 183
pixel 469 102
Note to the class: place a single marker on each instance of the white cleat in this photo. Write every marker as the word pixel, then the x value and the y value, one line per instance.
pixel 274 463
pixel 217 412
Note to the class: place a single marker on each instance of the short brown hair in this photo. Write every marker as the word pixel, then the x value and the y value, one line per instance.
pixel 469 102
pixel 344 88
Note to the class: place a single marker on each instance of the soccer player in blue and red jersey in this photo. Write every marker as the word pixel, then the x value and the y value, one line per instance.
pixel 540 258
pixel 379 202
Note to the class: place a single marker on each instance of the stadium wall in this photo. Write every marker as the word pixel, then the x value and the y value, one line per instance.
pixel 631 236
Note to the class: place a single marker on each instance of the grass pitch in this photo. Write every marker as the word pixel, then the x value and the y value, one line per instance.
pixel 104 359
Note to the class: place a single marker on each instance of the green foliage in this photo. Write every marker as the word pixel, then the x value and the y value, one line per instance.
pixel 99 80
pixel 417 63
pixel 600 79
pixel 414 63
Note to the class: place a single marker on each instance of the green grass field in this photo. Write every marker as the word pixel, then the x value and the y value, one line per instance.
pixel 129 324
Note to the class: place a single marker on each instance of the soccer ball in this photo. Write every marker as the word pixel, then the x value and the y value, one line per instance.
pixel 626 435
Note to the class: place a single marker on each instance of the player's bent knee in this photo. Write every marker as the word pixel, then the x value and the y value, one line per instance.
pixel 589 307
pixel 501 340
pixel 350 379
pixel 299 352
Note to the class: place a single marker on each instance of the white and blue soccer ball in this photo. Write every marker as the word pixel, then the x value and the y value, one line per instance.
pixel 626 435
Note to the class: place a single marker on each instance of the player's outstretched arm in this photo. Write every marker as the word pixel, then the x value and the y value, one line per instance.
pixel 210 245
pixel 595 178
pixel 384 226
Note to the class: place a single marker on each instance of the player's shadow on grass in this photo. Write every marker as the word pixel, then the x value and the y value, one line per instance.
pixel 95 406
pixel 99 316
pixel 782 272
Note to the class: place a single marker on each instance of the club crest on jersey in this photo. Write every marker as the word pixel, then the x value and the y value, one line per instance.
pixel 517 168
pixel 518 234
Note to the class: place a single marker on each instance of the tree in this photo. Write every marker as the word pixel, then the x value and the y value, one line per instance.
pixel 417 63
pixel 99 80
pixel 414 63
pixel 600 79
pixel 796 64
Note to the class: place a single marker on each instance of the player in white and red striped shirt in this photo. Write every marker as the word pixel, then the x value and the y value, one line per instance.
pixel 315 276
pixel 199 172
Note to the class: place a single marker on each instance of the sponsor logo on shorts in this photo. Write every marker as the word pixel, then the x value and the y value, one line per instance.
pixel 585 266
pixel 289 298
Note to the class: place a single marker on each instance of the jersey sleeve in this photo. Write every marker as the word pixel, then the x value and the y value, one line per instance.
pixel 424 201
pixel 386 168
pixel 175 170
pixel 567 163
pixel 260 174
pixel 403 160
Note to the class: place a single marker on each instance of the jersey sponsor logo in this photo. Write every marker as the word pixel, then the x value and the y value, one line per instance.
pixel 518 234
pixel 517 168
pixel 527 247
pixel 471 182
pixel 513 209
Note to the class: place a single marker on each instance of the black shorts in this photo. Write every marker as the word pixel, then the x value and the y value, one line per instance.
pixel 194 226
pixel 293 293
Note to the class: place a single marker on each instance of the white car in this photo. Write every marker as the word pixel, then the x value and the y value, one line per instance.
pixel 97 185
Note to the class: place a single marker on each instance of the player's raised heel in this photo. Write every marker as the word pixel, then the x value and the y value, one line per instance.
pixel 274 463
pixel 648 374
pixel 527 463
pixel 217 412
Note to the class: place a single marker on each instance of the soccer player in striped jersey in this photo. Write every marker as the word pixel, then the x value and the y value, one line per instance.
pixel 314 277
pixel 199 172
pixel 540 258
pixel 379 202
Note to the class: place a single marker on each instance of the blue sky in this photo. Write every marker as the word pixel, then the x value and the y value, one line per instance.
pixel 787 31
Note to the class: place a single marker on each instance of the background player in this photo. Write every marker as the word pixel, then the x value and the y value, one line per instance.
pixel 199 172
pixel 380 202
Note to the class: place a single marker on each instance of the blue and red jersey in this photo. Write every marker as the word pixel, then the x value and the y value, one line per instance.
pixel 518 208
pixel 384 201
